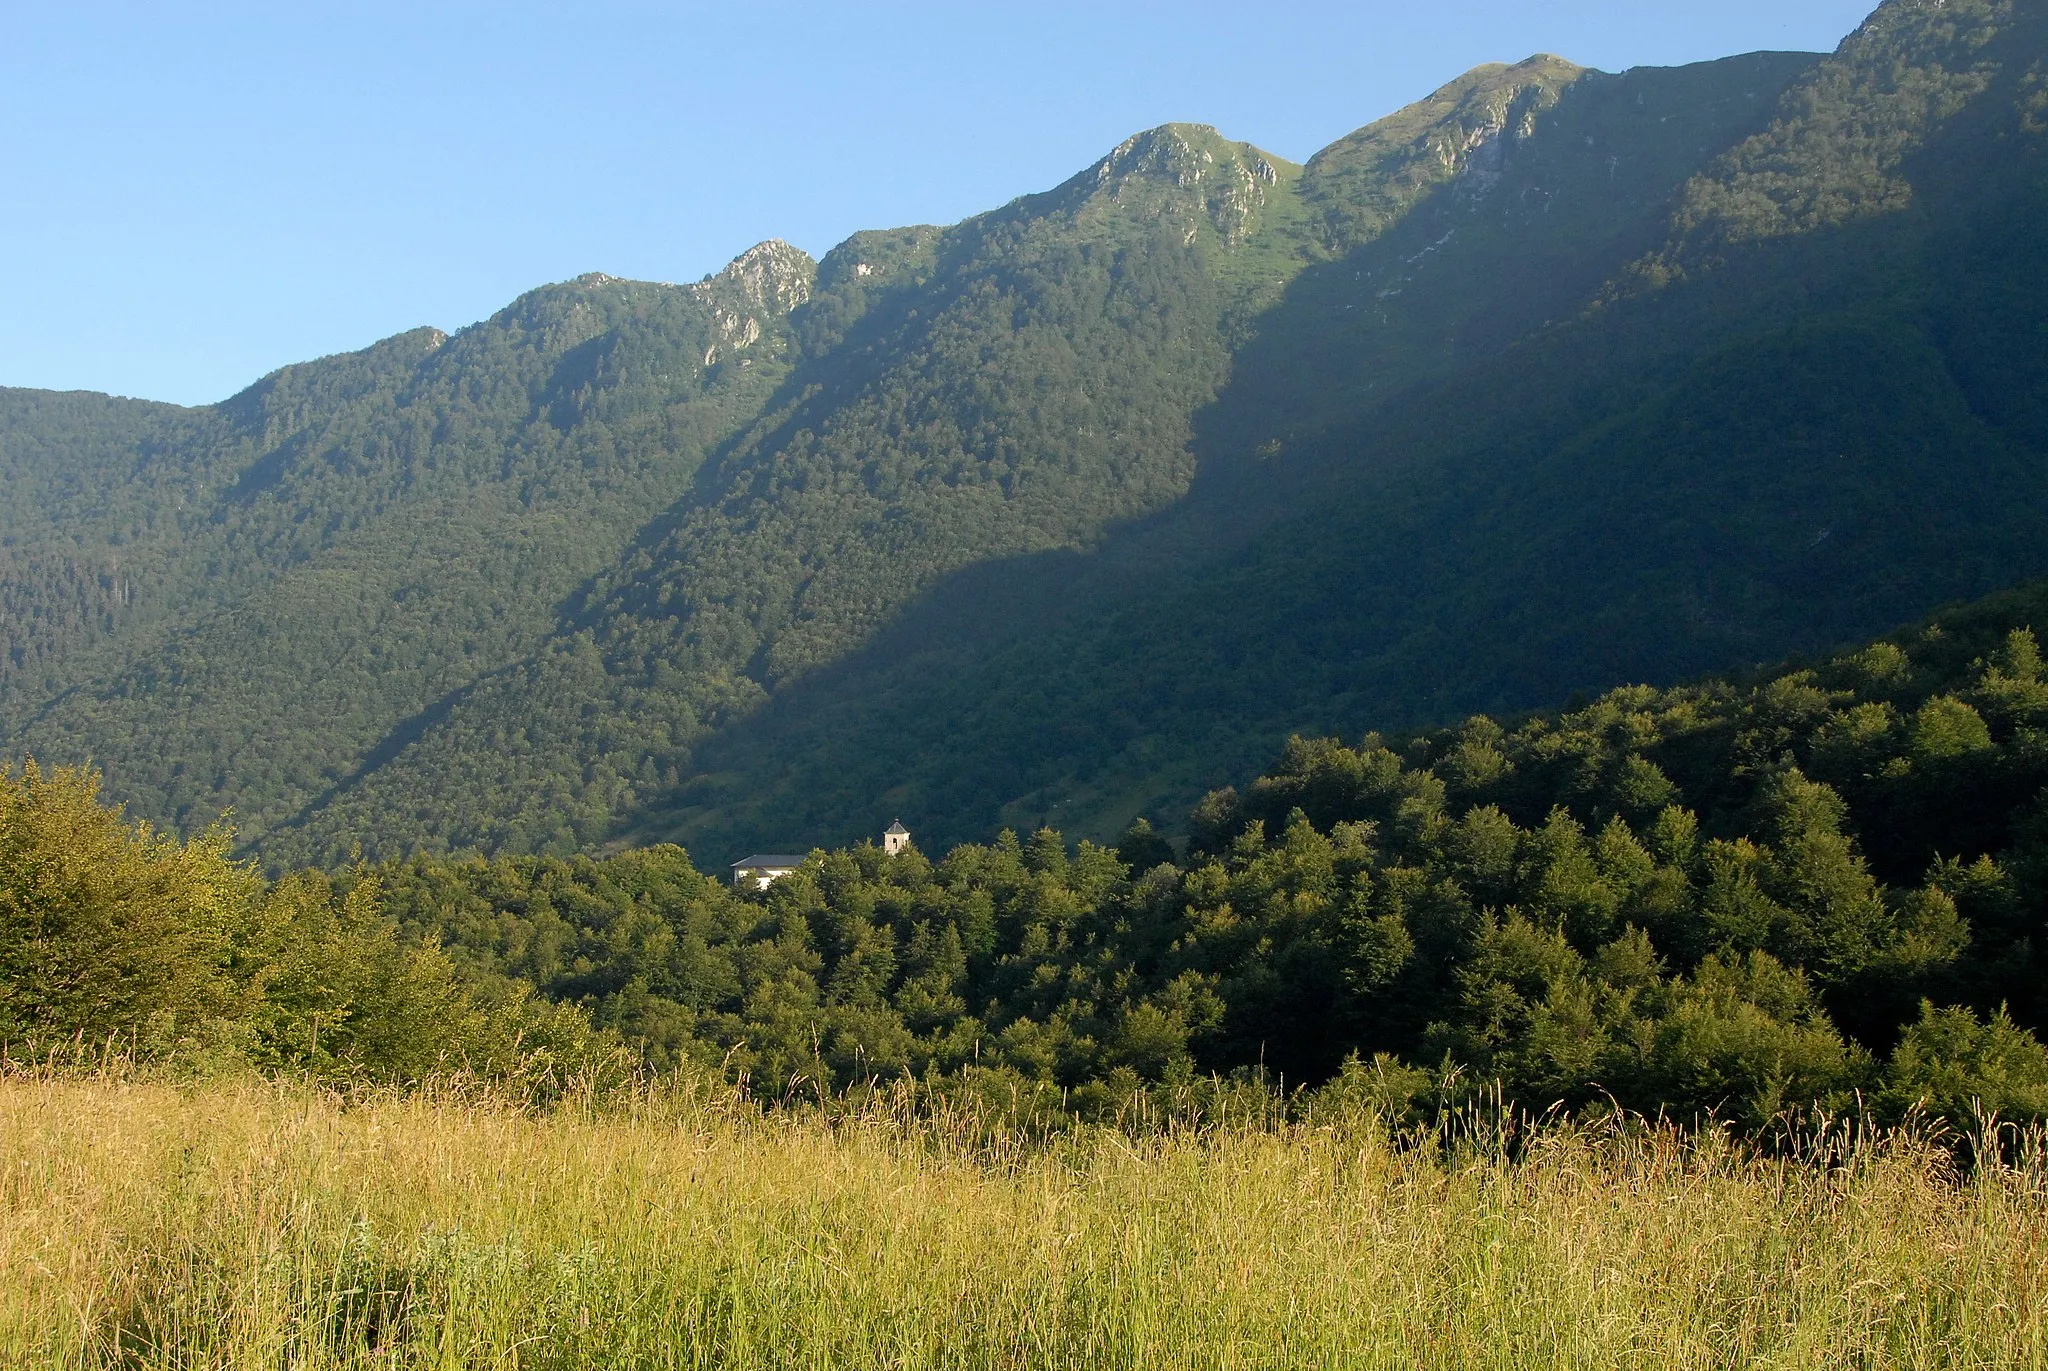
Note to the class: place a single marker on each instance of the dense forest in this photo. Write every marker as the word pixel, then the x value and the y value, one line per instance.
pixel 1820 886
pixel 1074 511
pixel 235 608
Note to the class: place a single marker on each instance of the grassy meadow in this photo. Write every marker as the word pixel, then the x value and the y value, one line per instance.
pixel 152 1224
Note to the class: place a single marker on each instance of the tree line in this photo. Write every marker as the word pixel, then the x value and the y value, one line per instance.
pixel 1820 886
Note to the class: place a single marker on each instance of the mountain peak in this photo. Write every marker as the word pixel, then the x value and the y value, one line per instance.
pixel 771 275
pixel 1463 131
pixel 1456 118
pixel 1184 155
pixel 1178 172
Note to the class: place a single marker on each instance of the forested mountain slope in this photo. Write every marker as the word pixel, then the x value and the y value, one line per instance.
pixel 1075 509
pixel 1738 899
pixel 1801 403
pixel 1730 896
pixel 1013 384
pixel 235 607
pixel 1036 389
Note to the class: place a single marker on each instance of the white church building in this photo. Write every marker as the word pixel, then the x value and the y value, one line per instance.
pixel 763 869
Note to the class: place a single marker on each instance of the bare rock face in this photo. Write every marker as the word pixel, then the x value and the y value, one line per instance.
pixel 1491 128
pixel 770 279
pixel 1465 134
pixel 1183 174
pixel 771 276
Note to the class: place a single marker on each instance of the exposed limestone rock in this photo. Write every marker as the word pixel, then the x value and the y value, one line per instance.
pixel 1184 173
pixel 770 275
pixel 1491 128
pixel 770 278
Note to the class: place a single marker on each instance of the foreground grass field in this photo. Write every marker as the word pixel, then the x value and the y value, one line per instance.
pixel 150 1225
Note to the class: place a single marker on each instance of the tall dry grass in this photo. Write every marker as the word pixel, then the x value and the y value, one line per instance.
pixel 250 1225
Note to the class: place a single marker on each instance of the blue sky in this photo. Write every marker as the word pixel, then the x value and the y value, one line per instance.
pixel 199 193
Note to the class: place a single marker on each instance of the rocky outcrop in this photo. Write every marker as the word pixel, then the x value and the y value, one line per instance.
pixel 1181 173
pixel 768 279
pixel 771 276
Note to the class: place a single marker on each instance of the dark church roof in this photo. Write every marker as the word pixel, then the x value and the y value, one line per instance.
pixel 896 828
pixel 767 859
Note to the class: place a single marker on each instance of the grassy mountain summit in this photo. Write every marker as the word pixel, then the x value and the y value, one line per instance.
pixel 1075 509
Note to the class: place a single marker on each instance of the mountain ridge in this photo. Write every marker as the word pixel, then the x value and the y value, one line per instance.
pixel 1079 504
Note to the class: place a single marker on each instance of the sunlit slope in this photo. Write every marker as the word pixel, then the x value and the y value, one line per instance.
pixel 332 552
